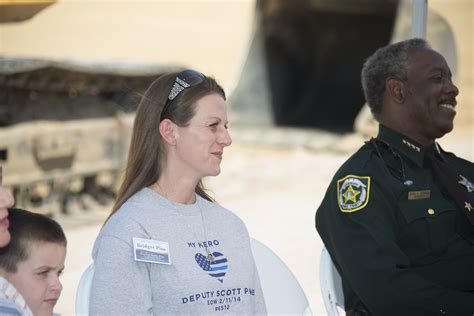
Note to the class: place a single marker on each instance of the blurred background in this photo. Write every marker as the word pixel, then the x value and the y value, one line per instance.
pixel 72 72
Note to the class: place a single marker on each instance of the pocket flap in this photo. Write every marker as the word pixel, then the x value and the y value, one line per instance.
pixel 424 208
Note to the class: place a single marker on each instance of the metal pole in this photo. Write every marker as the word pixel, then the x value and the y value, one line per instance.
pixel 419 15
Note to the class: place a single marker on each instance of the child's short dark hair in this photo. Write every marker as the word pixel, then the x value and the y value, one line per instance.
pixel 27 227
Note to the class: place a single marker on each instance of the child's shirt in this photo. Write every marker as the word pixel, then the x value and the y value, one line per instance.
pixel 11 301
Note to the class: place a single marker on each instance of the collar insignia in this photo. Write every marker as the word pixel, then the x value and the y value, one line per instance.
pixel 465 182
pixel 412 146
pixel 353 193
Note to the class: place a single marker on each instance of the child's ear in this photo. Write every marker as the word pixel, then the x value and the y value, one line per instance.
pixel 169 131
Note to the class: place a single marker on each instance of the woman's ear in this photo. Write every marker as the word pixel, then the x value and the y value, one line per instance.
pixel 168 131
pixel 396 89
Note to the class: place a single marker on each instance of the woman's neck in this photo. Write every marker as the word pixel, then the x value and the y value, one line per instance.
pixel 177 189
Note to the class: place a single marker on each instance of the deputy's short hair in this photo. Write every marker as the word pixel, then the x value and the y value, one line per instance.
pixel 388 61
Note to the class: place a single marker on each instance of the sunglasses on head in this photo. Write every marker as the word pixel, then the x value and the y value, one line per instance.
pixel 185 79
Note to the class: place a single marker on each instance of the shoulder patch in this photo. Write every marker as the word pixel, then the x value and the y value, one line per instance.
pixel 353 193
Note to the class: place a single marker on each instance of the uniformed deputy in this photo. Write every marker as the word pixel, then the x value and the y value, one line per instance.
pixel 398 217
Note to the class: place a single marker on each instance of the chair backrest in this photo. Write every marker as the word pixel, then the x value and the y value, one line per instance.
pixel 282 292
pixel 331 284
pixel 84 291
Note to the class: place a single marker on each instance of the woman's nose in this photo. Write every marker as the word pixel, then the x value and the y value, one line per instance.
pixel 6 198
pixel 225 138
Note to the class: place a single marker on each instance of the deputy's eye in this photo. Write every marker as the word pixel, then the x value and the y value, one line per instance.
pixel 437 77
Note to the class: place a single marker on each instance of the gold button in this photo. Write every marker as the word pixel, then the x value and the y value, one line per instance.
pixel 431 211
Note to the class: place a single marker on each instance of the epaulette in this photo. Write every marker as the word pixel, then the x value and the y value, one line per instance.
pixel 391 159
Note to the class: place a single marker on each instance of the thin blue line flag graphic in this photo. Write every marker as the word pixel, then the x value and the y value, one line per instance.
pixel 216 269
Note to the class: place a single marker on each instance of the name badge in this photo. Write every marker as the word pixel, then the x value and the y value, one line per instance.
pixel 418 195
pixel 152 251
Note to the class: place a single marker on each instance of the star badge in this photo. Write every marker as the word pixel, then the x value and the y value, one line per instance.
pixel 350 194
pixel 353 193
pixel 468 206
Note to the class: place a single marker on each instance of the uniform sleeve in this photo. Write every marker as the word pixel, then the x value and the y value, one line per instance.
pixel 120 286
pixel 364 245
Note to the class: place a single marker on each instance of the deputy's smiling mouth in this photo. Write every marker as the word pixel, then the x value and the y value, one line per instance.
pixel 448 106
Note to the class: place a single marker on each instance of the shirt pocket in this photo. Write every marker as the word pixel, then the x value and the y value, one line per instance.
pixel 428 226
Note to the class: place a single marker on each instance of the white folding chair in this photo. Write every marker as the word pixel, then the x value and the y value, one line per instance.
pixel 84 291
pixel 282 292
pixel 331 285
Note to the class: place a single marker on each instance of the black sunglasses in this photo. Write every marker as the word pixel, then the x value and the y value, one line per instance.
pixel 185 79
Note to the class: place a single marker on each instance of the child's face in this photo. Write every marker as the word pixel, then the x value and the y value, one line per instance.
pixel 37 278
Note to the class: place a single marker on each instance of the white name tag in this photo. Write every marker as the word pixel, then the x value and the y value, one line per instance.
pixel 149 250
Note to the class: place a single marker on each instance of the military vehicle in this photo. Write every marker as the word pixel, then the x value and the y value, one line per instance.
pixel 65 129
pixel 65 125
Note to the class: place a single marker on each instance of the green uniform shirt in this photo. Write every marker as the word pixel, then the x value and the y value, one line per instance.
pixel 401 245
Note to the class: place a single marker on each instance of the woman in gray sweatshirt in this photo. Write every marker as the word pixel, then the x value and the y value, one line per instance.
pixel 167 247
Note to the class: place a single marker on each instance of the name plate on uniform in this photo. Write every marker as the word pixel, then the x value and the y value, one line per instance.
pixel 418 195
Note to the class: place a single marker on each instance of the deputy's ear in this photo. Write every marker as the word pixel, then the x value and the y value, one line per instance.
pixel 168 131
pixel 396 89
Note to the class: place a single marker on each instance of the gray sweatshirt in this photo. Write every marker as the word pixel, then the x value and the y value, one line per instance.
pixel 167 270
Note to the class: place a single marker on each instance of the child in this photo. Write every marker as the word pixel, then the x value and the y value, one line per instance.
pixel 31 264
